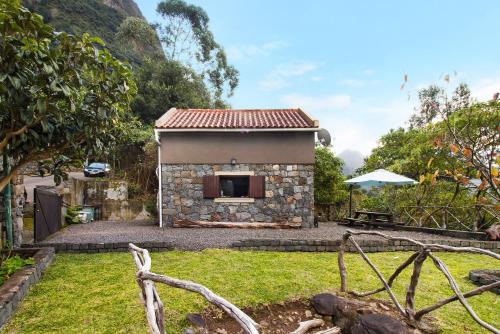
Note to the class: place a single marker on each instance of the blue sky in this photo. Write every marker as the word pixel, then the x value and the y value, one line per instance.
pixel 343 62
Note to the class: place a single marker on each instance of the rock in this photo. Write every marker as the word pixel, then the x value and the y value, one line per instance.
pixel 324 303
pixel 189 331
pixel 383 306
pixel 196 320
pixel 243 216
pixel 309 314
pixel 221 331
pixel 378 324
pixel 493 232
pixel 328 319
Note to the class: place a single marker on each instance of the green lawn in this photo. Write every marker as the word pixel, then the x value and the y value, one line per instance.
pixel 96 293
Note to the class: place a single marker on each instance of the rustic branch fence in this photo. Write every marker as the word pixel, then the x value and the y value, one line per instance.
pixel 418 258
pixel 467 218
pixel 154 307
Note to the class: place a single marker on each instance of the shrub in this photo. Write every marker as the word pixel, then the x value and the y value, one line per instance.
pixel 71 216
pixel 11 265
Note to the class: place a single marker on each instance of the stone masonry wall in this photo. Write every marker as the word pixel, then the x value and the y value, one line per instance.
pixel 288 194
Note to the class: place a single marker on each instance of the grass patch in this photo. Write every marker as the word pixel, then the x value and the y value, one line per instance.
pixel 97 293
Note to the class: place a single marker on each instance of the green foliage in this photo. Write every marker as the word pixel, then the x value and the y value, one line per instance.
pixel 59 94
pixel 136 37
pixel 450 142
pixel 12 264
pixel 103 290
pixel 329 184
pixel 406 152
pixel 89 16
pixel 165 84
pixel 133 190
pixel 71 216
pixel 150 206
pixel 186 36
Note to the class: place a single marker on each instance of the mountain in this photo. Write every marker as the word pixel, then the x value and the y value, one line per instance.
pixel 97 17
pixel 126 7
pixel 352 161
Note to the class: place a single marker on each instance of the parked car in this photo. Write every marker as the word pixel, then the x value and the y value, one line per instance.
pixel 97 169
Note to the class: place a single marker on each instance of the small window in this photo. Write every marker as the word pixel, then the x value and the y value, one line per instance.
pixel 234 186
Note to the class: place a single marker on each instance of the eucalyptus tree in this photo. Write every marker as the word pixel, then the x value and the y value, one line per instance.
pixel 186 37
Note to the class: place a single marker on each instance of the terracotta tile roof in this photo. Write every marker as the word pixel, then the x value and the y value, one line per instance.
pixel 229 118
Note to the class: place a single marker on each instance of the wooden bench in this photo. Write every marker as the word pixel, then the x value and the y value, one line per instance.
pixel 373 219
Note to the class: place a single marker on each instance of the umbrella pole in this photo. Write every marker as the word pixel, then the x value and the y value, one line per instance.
pixel 350 201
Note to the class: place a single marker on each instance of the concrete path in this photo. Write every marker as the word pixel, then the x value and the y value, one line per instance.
pixel 200 238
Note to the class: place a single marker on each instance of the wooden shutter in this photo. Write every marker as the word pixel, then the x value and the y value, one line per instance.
pixel 211 186
pixel 256 187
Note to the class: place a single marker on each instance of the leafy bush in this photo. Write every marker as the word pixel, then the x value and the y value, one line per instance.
pixel 134 190
pixel 71 216
pixel 150 206
pixel 329 187
pixel 11 265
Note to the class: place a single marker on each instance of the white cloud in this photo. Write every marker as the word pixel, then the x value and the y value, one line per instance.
pixel 357 83
pixel 294 69
pixel 317 103
pixel 273 83
pixel 368 71
pixel 355 125
pixel 349 134
pixel 248 51
pixel 484 89
pixel 316 78
pixel 278 77
pixel 352 83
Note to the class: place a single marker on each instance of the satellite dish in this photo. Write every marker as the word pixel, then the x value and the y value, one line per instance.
pixel 324 137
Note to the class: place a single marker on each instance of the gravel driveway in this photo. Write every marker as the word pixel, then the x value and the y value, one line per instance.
pixel 200 238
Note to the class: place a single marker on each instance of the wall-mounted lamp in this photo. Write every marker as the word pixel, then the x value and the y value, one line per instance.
pixel 233 161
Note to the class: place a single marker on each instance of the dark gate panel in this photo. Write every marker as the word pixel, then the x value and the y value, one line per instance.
pixel 47 213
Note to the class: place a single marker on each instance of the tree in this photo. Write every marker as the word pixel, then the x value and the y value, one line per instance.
pixel 471 135
pixel 59 94
pixel 187 38
pixel 452 147
pixel 136 37
pixel 164 84
pixel 329 185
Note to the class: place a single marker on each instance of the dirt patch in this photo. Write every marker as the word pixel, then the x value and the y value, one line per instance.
pixel 283 318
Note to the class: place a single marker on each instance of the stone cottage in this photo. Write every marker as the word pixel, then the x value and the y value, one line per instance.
pixel 236 165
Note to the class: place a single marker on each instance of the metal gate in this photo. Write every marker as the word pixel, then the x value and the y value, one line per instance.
pixel 47 213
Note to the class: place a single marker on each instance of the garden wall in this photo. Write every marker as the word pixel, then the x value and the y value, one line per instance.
pixel 368 246
pixel 110 197
pixel 16 287
pixel 102 247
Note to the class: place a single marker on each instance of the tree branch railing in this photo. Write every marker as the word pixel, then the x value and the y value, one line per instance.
pixel 154 307
pixel 468 218
pixel 417 258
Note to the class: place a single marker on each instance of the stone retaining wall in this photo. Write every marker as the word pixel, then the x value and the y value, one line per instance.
pixel 107 247
pixel 295 245
pixel 288 194
pixel 17 286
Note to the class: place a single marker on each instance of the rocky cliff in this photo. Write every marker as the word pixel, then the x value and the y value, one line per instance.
pixel 126 7
pixel 100 18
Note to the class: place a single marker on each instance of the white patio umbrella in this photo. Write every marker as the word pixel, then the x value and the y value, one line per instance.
pixel 376 178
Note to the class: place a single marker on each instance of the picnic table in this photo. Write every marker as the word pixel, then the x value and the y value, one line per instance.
pixel 371 219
